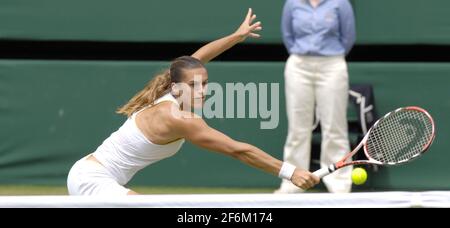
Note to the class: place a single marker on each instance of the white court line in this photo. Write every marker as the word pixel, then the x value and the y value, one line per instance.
pixel 373 199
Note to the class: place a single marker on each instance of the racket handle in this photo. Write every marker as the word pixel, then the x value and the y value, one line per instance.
pixel 324 171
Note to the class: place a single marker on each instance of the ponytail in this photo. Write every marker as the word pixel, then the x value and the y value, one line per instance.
pixel 154 89
pixel 159 85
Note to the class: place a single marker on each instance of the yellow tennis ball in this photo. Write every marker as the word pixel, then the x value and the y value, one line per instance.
pixel 359 176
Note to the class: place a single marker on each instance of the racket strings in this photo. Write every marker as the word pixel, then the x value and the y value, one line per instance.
pixel 400 136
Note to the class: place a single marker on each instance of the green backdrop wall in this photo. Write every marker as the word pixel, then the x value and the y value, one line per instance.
pixel 378 22
pixel 54 112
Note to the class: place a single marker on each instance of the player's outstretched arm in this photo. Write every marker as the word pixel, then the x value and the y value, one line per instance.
pixel 217 47
pixel 199 133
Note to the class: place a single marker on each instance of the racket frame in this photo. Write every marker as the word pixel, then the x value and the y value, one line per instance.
pixel 342 163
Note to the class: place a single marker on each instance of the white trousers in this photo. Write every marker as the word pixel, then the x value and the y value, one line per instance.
pixel 320 82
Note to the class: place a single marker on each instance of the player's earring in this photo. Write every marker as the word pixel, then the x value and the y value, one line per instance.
pixel 175 91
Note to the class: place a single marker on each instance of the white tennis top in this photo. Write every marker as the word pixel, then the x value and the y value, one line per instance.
pixel 127 150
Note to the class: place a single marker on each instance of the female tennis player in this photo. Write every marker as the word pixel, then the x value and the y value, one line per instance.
pixel 160 120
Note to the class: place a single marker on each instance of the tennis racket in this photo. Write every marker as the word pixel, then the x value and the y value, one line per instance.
pixel 398 137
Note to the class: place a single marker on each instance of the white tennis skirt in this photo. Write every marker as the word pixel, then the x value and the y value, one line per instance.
pixel 90 178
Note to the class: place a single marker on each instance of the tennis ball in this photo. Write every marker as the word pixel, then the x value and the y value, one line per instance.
pixel 359 176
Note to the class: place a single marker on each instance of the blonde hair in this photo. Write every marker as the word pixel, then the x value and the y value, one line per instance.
pixel 159 85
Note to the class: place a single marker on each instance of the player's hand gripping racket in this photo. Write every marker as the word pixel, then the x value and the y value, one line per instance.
pixel 397 137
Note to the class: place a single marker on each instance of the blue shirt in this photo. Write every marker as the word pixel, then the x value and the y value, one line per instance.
pixel 327 30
